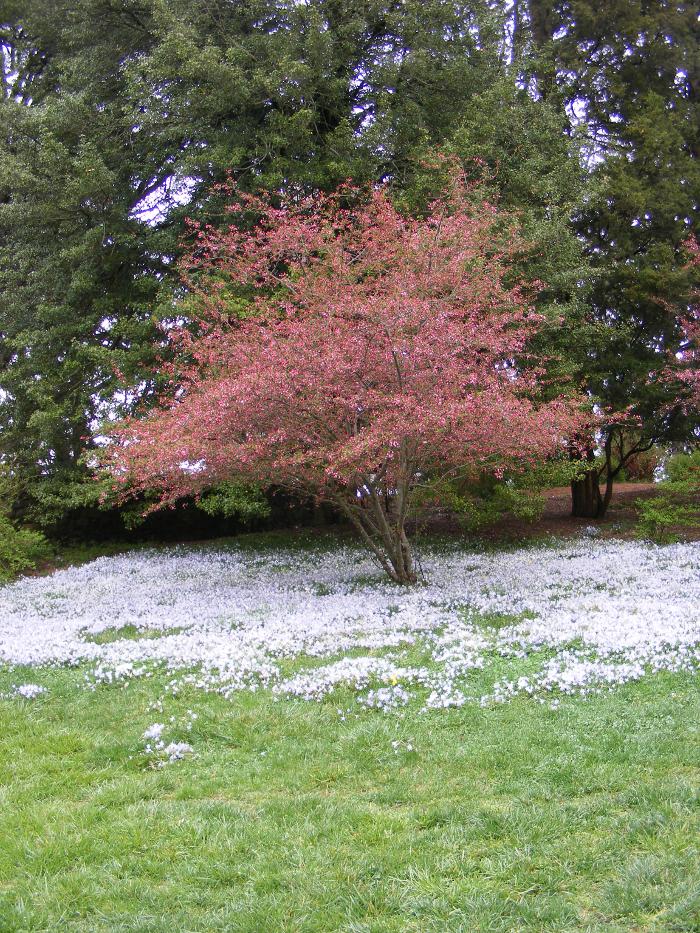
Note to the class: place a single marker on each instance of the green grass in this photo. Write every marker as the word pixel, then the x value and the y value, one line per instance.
pixel 129 632
pixel 290 818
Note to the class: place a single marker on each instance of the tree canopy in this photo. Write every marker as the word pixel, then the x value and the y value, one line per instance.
pixel 379 350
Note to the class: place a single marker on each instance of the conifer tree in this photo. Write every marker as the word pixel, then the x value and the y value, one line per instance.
pixel 627 74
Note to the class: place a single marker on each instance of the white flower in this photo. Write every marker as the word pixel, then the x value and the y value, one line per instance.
pixel 177 750
pixel 29 691
pixel 602 612
pixel 385 698
pixel 154 732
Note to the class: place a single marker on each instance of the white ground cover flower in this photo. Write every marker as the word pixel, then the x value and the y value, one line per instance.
pixel 399 746
pixel 27 691
pixel 385 698
pixel 155 747
pixel 154 732
pixel 600 613
pixel 177 750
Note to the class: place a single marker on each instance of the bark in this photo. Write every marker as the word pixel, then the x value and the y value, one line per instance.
pixel 586 498
pixel 516 39
pixel 541 22
pixel 380 522
pixel 388 517
pixel 611 473
pixel 607 495
pixel 318 516
pixel 542 15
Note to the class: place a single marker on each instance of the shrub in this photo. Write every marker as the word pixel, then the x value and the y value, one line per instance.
pixel 478 512
pixel 480 501
pixel 231 499
pixel 684 470
pixel 641 467
pixel 677 502
pixel 20 549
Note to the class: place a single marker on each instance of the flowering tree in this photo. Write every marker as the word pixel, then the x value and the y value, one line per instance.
pixel 688 360
pixel 691 357
pixel 349 354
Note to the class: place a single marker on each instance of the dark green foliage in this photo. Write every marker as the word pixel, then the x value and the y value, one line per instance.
pixel 78 274
pixel 632 70
pixel 481 500
pixel 627 74
pixel 484 507
pixel 517 151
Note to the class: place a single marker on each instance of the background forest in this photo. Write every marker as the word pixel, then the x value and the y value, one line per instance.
pixel 119 119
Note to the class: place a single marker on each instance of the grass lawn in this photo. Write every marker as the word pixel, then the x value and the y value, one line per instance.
pixel 291 818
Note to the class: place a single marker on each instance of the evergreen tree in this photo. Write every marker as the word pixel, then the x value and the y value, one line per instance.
pixel 627 74
pixel 78 273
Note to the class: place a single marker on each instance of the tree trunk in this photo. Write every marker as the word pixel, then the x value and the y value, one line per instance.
pixel 542 26
pixel 611 473
pixel 383 531
pixel 318 516
pixel 407 566
pixel 607 496
pixel 586 498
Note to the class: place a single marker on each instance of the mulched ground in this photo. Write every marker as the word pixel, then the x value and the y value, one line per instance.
pixel 556 520
pixel 621 513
